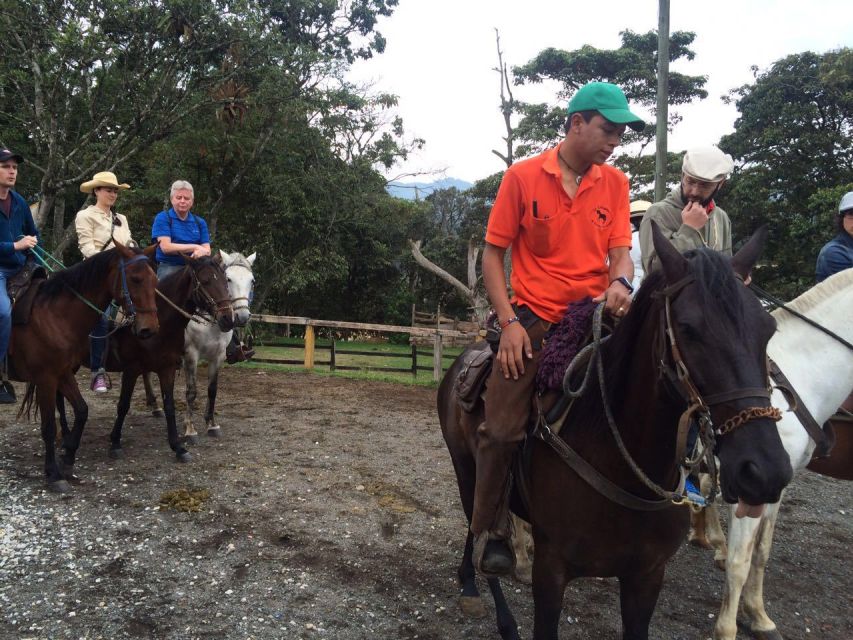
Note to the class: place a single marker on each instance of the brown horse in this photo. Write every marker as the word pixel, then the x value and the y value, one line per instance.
pixel 693 316
pixel 200 286
pixel 47 350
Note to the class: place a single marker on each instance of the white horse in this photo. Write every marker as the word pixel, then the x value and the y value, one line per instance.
pixel 204 341
pixel 820 369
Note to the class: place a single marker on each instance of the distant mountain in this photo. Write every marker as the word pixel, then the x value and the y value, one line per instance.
pixel 408 190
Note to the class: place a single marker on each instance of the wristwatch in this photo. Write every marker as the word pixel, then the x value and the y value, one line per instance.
pixel 623 281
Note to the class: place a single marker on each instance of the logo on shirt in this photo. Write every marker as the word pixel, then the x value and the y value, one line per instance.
pixel 601 217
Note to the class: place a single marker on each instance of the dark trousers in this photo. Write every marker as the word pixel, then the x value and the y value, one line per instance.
pixel 508 407
pixel 98 343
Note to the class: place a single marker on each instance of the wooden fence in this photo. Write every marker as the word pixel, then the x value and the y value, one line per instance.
pixel 438 337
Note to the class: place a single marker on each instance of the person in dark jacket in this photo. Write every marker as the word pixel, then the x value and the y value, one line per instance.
pixel 837 254
pixel 18 234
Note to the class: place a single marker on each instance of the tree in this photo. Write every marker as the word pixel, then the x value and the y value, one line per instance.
pixel 793 143
pixel 633 66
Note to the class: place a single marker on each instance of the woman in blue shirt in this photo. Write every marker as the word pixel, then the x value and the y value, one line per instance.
pixel 179 231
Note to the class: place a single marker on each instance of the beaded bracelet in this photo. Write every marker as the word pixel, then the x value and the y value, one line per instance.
pixel 504 325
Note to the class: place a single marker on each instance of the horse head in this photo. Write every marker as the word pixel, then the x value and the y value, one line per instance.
pixel 241 282
pixel 210 290
pixel 719 331
pixel 134 287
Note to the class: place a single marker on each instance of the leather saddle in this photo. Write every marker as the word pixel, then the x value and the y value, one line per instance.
pixel 22 289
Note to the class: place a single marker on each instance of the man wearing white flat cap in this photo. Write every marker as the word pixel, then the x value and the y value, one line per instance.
pixel 688 216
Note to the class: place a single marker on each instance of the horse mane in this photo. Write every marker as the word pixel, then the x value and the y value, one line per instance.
pixel 82 276
pixel 815 296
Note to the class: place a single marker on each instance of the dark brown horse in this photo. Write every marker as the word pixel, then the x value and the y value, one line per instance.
pixel 47 350
pixel 200 286
pixel 697 303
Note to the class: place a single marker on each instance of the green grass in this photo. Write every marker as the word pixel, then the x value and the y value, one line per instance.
pixel 399 356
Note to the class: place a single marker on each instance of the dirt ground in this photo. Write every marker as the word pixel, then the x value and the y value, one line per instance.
pixel 328 509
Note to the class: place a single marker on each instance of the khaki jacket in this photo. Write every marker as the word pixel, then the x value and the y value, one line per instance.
pixel 716 234
pixel 94 228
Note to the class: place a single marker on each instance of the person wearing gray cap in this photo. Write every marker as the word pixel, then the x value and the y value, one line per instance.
pixel 18 234
pixel 837 254
pixel 688 216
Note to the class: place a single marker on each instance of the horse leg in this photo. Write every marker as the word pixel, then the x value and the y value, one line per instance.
pixel 128 382
pixel 549 584
pixel 63 419
pixel 521 541
pixel 507 626
pixel 167 388
pixel 760 624
pixel 469 601
pixel 150 396
pixel 71 439
pixel 716 535
pixel 46 398
pixel 213 429
pixel 638 596
pixel 190 369
pixel 742 532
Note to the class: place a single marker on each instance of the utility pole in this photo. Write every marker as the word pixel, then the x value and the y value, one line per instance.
pixel 663 99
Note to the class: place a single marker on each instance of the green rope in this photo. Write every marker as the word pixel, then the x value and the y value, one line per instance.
pixel 44 257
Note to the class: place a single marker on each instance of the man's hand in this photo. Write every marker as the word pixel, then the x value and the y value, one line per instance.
pixel 694 215
pixel 618 299
pixel 27 242
pixel 514 346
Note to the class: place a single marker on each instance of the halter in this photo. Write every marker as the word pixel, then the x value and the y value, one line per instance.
pixel 216 306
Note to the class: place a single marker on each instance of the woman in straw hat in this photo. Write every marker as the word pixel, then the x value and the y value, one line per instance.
pixel 97 226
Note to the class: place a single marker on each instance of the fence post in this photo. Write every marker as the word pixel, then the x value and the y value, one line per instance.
pixel 414 360
pixel 436 357
pixel 332 357
pixel 309 346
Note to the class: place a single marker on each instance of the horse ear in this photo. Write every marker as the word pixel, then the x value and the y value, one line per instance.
pixel 251 258
pixel 674 264
pixel 744 260
pixel 226 259
pixel 151 249
pixel 217 257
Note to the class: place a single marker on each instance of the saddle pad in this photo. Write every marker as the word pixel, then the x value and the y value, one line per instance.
pixel 566 339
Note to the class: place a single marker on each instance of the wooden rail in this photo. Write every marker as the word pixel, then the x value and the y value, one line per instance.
pixel 309 361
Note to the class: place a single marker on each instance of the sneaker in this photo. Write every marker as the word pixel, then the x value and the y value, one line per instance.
pixel 7 393
pixel 99 383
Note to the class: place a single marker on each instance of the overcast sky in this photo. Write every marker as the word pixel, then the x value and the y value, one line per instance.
pixel 441 54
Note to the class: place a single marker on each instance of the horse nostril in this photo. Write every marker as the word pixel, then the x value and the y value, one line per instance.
pixel 750 478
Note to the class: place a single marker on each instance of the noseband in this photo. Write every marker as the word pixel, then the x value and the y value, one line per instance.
pixel 127 301
pixel 245 306
pixel 207 300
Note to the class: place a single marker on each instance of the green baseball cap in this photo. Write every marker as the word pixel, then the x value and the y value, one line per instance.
pixel 608 100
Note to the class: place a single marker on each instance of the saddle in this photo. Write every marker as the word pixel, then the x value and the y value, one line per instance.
pixel 22 289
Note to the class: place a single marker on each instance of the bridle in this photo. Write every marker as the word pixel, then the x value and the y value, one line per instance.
pixel 127 302
pixel 698 409
pixel 203 298
pixel 243 299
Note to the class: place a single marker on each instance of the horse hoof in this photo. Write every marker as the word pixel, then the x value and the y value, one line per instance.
pixel 59 486
pixel 772 634
pixel 184 456
pixel 214 432
pixel 472 607
pixel 701 542
pixel 158 413
pixel 720 564
pixel 524 576
pixel 193 439
pixel 116 454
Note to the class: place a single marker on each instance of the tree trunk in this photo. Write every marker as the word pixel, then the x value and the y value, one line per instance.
pixel 476 301
pixel 58 218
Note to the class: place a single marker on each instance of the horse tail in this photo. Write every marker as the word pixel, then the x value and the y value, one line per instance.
pixel 28 402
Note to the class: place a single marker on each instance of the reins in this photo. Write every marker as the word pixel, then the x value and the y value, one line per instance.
pixel 697 411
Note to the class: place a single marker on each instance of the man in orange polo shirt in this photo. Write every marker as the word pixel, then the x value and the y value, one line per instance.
pixel 566 216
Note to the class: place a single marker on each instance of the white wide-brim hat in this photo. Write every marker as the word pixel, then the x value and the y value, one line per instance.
pixel 103 179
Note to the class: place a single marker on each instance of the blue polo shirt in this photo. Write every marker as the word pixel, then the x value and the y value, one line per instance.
pixel 193 230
